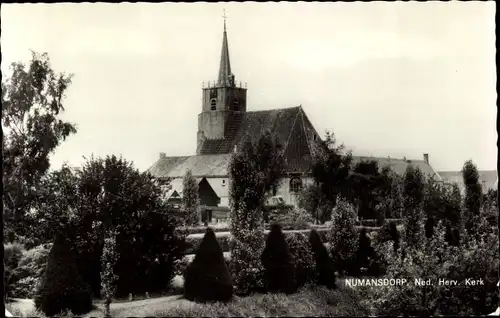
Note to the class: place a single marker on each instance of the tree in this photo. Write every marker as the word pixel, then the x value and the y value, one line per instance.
pixel 207 278
pixel 324 264
pixel 473 192
pixel 110 194
pixel 277 263
pixel 413 204
pixel 396 197
pixel 254 170
pixel 330 170
pixel 108 276
pixel 309 199
pixel 62 287
pixel 343 236
pixel 32 101
pixel 190 199
pixel 365 181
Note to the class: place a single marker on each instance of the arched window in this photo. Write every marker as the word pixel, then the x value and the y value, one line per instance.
pixel 213 102
pixel 295 185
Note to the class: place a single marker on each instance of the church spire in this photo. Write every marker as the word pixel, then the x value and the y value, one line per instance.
pixel 226 78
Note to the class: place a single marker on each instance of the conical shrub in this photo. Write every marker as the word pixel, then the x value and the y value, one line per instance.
pixel 324 264
pixel 277 262
pixel 207 278
pixel 62 288
pixel 302 258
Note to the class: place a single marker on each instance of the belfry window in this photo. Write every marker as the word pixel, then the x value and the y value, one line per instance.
pixel 295 185
pixel 213 103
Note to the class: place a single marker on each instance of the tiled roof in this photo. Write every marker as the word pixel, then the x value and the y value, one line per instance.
pixel 200 166
pixel 399 165
pixel 288 124
pixel 487 178
pixel 217 165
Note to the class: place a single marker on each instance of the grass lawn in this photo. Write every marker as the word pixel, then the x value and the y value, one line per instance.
pixel 309 301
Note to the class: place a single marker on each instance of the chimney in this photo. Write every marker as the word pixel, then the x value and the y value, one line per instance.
pixel 162 155
pixel 426 158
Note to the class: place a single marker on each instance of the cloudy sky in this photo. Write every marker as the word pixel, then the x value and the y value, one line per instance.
pixel 390 79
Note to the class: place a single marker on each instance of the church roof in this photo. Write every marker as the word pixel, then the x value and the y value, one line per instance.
pixel 217 166
pixel 290 125
pixel 399 165
pixel 487 178
pixel 200 166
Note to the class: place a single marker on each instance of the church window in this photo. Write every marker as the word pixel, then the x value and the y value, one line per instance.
pixel 295 185
pixel 213 102
pixel 223 182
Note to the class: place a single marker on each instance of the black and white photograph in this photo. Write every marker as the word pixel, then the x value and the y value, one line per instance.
pixel 275 159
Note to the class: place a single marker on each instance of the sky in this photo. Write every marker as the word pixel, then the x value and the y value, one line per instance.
pixel 394 79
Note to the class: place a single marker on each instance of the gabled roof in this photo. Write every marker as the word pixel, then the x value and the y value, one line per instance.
pixel 399 165
pixel 487 178
pixel 290 125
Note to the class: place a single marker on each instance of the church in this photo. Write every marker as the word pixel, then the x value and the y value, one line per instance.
pixel 223 123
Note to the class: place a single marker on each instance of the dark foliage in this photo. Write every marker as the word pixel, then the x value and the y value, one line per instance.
pixel 389 232
pixel 302 258
pixel 324 264
pixel 473 190
pixel 277 263
pixel 365 251
pixel 452 235
pixel 430 223
pixel 207 278
pixel 62 288
pixel 330 170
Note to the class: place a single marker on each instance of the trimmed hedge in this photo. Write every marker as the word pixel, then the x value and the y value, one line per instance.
pixel 62 287
pixel 207 277
pixel 224 238
pixel 278 263
pixel 374 222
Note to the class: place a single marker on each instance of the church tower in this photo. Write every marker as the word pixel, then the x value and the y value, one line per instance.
pixel 223 102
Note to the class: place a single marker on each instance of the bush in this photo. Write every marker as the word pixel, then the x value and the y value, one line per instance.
pixel 278 263
pixel 343 236
pixel 295 219
pixel 302 258
pixel 324 264
pixel 61 287
pixel 26 276
pixel 13 253
pixel 477 258
pixel 207 278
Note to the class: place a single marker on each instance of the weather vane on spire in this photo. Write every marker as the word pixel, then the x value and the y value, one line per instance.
pixel 224 17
